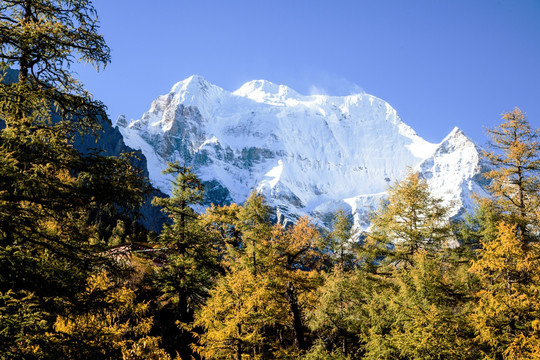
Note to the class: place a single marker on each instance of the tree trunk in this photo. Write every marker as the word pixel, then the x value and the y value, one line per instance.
pixel 24 59
pixel 297 318
pixel 238 343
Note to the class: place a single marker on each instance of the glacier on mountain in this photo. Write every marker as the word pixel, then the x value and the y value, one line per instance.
pixel 309 155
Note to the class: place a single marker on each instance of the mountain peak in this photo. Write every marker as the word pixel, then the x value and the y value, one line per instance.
pixel 456 136
pixel 264 89
pixel 307 154
pixel 456 132
pixel 194 82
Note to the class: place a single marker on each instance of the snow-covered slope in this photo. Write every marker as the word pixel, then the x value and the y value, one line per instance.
pixel 307 154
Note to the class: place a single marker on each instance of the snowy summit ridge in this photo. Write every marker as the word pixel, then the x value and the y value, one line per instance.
pixel 307 154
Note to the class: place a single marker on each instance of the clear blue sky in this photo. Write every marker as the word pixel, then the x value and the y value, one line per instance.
pixel 439 63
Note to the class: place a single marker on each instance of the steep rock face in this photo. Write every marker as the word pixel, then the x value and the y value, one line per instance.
pixel 111 143
pixel 307 154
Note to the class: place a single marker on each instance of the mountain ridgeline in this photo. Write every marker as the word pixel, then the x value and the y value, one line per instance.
pixel 309 155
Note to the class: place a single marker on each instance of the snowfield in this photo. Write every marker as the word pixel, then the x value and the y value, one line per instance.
pixel 308 154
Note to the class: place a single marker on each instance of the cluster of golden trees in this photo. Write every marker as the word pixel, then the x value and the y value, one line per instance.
pixel 232 284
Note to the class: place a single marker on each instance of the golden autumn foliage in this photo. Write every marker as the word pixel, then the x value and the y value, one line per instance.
pixel 515 176
pixel 231 283
pixel 507 312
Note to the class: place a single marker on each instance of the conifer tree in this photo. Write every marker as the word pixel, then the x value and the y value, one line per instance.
pixel 235 316
pixel 291 260
pixel 339 241
pixel 259 308
pixel 515 182
pixel 417 307
pixel 506 311
pixel 241 305
pixel 191 259
pixel 506 315
pixel 52 196
pixel 255 226
pixel 409 221
pixel 338 318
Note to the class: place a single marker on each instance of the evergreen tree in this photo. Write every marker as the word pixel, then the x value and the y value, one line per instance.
pixel 255 225
pixel 340 316
pixel 429 305
pixel 339 241
pixel 191 260
pixel 52 196
pixel 409 221
pixel 418 305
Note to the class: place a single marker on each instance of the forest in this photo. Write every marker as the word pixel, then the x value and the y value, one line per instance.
pixel 79 279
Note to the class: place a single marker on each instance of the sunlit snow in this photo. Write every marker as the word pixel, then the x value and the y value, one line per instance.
pixel 307 154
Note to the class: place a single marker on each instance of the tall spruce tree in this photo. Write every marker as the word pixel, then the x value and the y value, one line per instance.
pixel 191 260
pixel 338 319
pixel 52 196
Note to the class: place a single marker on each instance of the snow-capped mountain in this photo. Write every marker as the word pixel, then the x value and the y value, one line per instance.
pixel 307 154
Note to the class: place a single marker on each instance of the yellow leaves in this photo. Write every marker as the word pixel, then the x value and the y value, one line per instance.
pixel 507 253
pixel 249 306
pixel 234 314
pixel 145 348
pixel 120 318
pixel 501 253
pixel 515 156
pixel 523 347
pixel 507 310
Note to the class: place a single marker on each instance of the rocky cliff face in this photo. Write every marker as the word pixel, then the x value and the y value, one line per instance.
pixel 308 154
pixel 111 143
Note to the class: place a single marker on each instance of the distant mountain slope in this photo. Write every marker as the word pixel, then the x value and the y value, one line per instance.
pixel 307 154
pixel 109 143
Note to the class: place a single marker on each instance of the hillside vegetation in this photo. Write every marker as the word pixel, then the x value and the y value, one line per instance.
pixel 79 280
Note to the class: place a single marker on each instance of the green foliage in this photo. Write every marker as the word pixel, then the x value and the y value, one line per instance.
pixel 339 242
pixel 191 260
pixel 340 317
pixel 411 220
pixel 56 203
pixel 319 352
